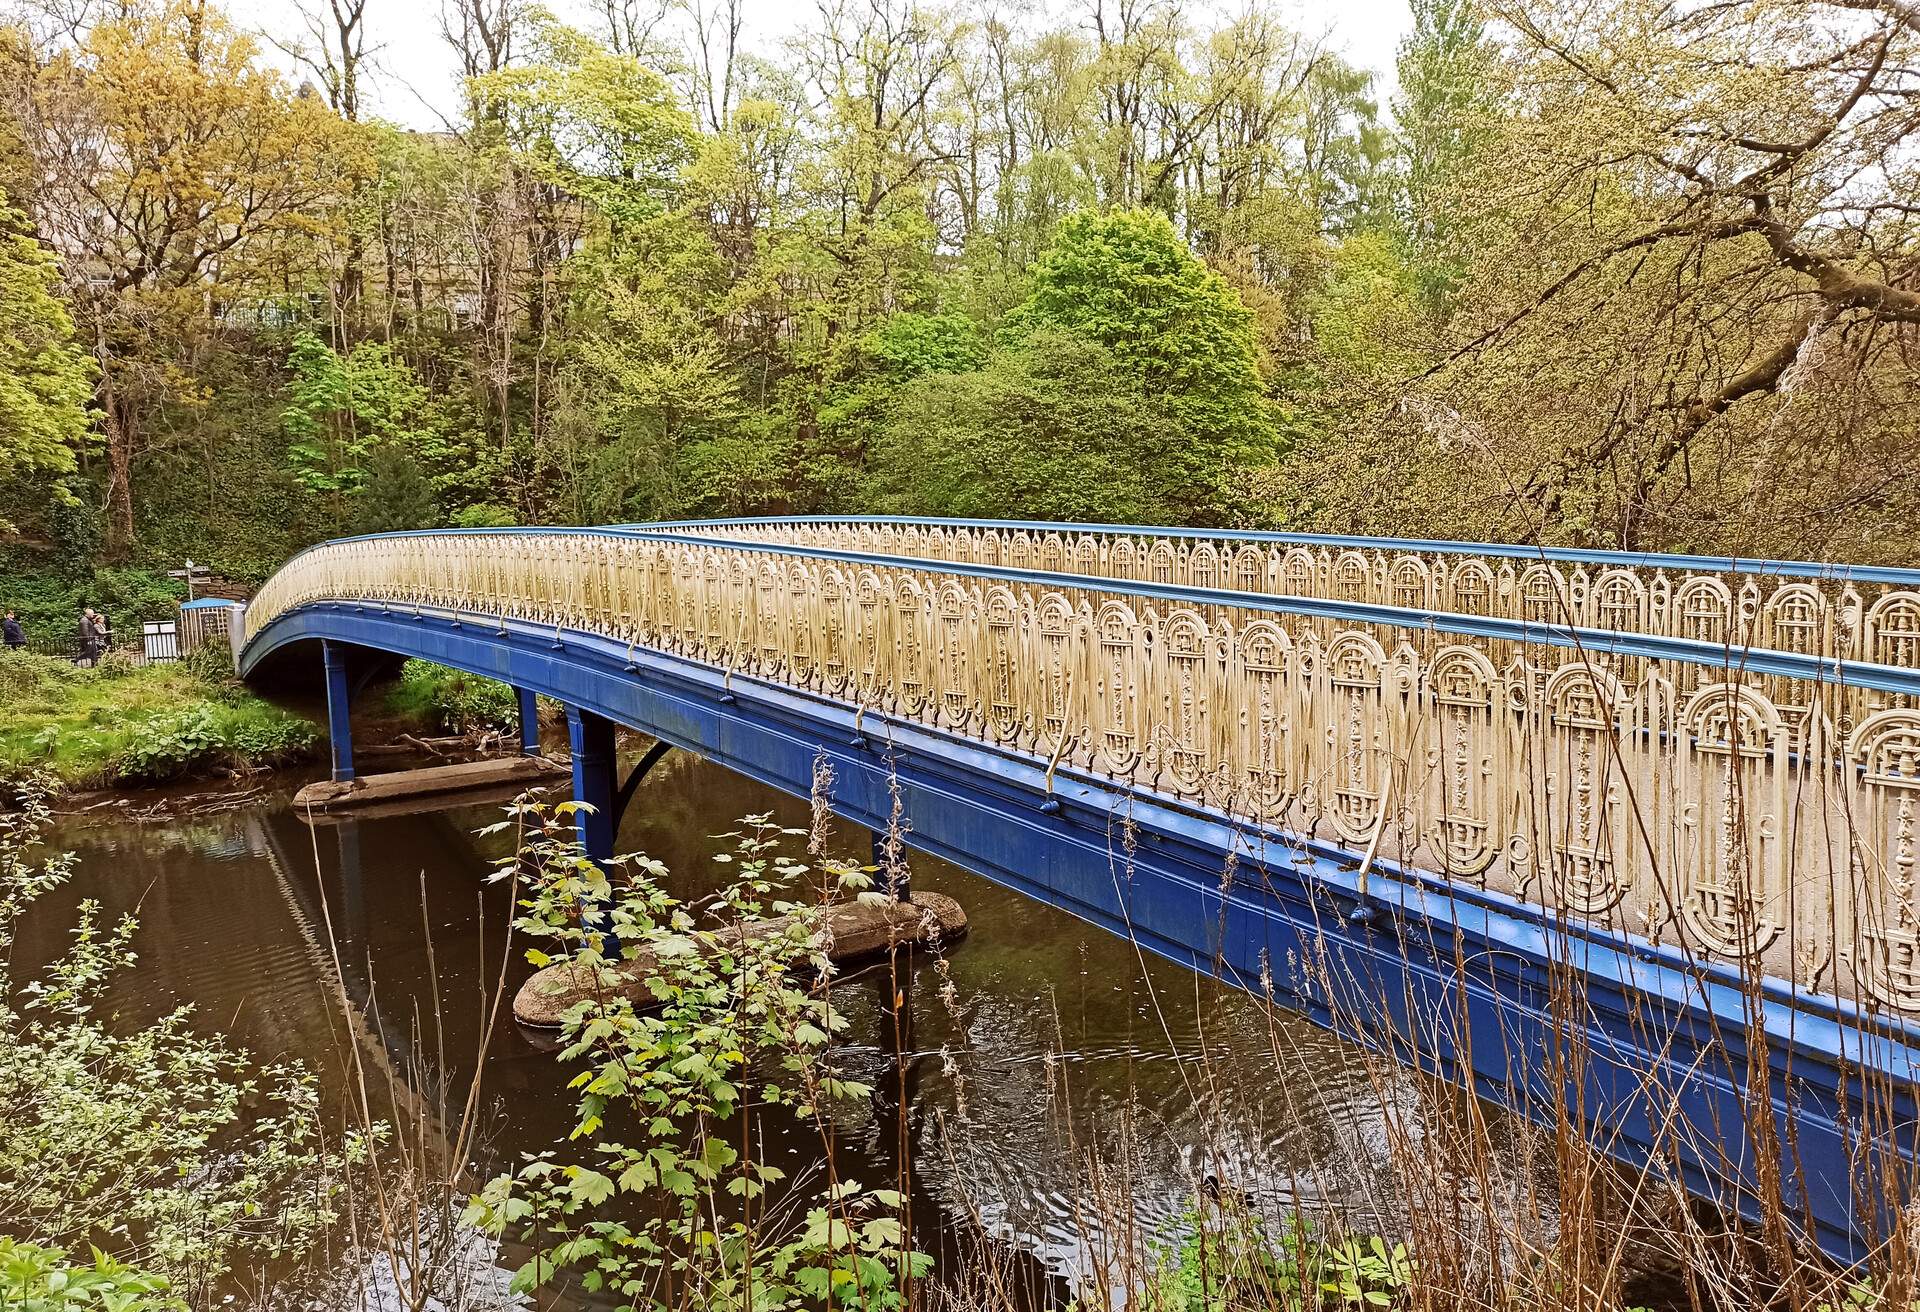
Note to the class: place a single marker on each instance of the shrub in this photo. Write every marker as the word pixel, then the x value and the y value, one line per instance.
pixel 643 1209
pixel 169 1144
pixel 453 699
pixel 190 740
pixel 37 1279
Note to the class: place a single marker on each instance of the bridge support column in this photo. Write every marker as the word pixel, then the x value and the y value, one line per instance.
pixel 591 738
pixel 339 711
pixel 529 722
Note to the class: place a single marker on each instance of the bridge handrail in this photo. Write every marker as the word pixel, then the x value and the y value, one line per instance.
pixel 1749 800
pixel 1865 676
pixel 1675 562
pixel 1843 611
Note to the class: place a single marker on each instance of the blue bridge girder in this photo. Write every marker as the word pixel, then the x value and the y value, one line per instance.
pixel 1461 981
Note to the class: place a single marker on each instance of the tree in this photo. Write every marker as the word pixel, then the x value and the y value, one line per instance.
pixel 1054 427
pixel 1442 110
pixel 46 378
pixel 397 495
pixel 1125 281
pixel 1693 298
pixel 172 175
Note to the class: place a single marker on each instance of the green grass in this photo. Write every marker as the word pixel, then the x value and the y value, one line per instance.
pixel 453 700
pixel 120 724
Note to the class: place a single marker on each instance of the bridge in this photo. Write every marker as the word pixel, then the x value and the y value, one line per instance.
pixel 1624 842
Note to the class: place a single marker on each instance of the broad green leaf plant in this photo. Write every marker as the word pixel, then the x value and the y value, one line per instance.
pixel 666 1202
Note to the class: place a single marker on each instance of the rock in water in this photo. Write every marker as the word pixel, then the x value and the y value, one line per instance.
pixel 852 930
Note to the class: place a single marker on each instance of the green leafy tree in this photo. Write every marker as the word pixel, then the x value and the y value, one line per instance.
pixel 905 346
pixel 396 495
pixel 348 417
pixel 46 380
pixel 325 447
pixel 1445 71
pixel 1055 427
pixel 1126 281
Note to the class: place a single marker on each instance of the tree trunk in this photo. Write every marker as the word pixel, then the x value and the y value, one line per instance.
pixel 120 435
pixel 119 424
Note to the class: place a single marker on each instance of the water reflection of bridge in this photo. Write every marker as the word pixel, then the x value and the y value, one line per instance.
pixel 1431 793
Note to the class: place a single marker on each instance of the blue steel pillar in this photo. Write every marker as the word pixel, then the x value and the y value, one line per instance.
pixel 339 711
pixel 591 738
pixel 529 722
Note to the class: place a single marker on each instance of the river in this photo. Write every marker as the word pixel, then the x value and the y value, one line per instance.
pixel 1066 1095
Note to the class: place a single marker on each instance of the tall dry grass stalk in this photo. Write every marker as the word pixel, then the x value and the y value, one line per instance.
pixel 1528 1205
pixel 403 1246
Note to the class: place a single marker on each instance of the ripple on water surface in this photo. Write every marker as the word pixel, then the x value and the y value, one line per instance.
pixel 1063 1065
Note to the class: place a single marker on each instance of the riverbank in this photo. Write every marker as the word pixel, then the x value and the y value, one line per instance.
pixel 120 725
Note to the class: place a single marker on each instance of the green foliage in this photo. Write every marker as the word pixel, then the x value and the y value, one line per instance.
pixel 340 408
pixel 169 1144
pixel 365 431
pixel 739 473
pixel 1366 315
pixel 484 514
pixel 1127 281
pixel 907 345
pixel 46 380
pixel 195 738
pixel 639 1214
pixel 604 126
pixel 122 724
pixel 319 402
pixel 37 1279
pixel 396 495
pixel 1228 1259
pixel 219 487
pixel 453 699
pixel 1056 427
pixel 1442 112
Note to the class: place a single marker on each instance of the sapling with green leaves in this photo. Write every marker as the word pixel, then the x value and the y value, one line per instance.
pixel 669 1204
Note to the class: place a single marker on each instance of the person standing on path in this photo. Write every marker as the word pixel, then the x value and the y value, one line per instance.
pixel 89 637
pixel 11 634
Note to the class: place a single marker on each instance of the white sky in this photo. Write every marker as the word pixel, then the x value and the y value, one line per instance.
pixel 413 83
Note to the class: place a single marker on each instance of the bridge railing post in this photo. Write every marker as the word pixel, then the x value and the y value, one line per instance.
pixel 339 711
pixel 590 737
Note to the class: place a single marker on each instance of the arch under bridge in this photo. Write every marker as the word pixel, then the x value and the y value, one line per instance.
pixel 1627 839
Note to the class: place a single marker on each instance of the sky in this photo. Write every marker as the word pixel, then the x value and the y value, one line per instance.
pixel 414 85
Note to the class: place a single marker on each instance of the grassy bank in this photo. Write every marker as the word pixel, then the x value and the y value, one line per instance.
pixel 122 724
pixel 453 701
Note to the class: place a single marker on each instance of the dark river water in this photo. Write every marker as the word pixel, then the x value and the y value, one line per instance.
pixel 1065 1097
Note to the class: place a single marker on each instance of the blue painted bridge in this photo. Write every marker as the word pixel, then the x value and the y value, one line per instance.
pixel 1626 841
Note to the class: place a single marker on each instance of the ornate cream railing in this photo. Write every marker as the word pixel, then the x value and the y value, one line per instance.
pixel 1837 611
pixel 1766 820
